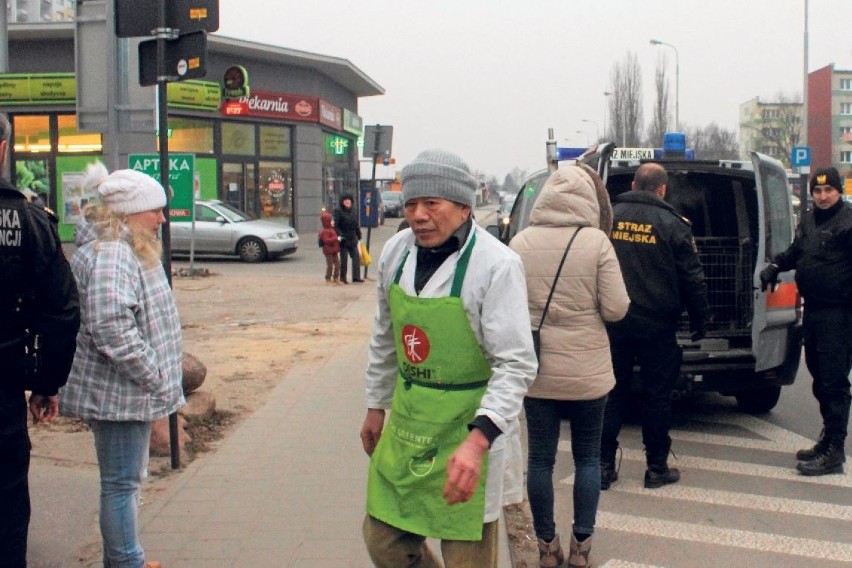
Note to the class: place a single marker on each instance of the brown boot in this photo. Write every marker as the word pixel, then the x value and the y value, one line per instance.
pixel 578 554
pixel 550 554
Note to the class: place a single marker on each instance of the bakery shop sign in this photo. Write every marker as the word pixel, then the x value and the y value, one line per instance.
pixel 283 106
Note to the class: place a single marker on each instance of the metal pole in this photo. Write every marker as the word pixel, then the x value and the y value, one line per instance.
pixel 376 146
pixel 606 106
pixel 804 141
pixel 163 126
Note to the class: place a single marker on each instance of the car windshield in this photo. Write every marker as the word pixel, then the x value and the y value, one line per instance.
pixel 231 213
pixel 392 196
pixel 506 206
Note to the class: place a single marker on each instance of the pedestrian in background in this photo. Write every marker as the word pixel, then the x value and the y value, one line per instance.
pixel 39 318
pixel 573 274
pixel 449 359
pixel 821 254
pixel 127 370
pixel 347 226
pixel 663 273
pixel 329 241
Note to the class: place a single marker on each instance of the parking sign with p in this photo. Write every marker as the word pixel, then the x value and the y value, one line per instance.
pixel 800 156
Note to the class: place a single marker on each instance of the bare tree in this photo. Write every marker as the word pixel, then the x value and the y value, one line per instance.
pixel 625 104
pixel 660 123
pixel 711 142
pixel 778 128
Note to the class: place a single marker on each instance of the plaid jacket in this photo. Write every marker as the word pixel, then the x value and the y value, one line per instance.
pixel 128 361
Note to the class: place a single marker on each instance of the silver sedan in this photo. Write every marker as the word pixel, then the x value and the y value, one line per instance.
pixel 221 229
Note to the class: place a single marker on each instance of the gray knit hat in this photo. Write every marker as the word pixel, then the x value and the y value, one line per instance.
pixel 437 173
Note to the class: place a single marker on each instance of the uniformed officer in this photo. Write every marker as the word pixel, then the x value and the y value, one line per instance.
pixel 821 253
pixel 663 273
pixel 39 317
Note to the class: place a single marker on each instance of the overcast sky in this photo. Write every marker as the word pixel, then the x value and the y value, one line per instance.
pixel 487 78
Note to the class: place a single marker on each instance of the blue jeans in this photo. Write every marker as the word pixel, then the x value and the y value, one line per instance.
pixel 543 421
pixel 122 449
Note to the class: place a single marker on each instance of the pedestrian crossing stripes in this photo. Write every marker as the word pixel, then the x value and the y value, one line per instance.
pixel 781 544
pixel 737 468
pixel 739 431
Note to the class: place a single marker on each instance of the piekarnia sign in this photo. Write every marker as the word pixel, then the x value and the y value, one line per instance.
pixel 282 106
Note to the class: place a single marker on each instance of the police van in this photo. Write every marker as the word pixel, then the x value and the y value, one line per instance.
pixel 742 216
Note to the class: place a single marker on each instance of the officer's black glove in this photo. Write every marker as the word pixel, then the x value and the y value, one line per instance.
pixel 769 277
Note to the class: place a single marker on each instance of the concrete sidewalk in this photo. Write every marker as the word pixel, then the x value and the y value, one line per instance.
pixel 287 487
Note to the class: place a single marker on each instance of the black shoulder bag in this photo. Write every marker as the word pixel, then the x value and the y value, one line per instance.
pixel 536 333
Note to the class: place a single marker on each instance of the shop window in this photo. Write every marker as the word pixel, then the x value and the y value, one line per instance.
pixel 32 133
pixel 276 189
pixel 190 135
pixel 275 141
pixel 72 140
pixel 238 139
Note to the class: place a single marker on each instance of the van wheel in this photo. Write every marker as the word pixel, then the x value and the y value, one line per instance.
pixel 251 249
pixel 758 401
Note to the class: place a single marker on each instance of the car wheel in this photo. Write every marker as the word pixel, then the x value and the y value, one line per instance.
pixel 759 400
pixel 251 249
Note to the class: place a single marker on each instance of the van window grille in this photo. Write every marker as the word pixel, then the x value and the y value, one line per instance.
pixel 728 273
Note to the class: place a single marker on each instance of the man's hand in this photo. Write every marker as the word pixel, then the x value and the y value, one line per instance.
pixel 464 468
pixel 769 277
pixel 371 431
pixel 44 408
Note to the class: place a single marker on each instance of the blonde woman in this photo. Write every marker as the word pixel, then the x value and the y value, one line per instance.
pixel 127 369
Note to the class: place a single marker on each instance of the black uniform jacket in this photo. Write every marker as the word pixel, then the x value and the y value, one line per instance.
pixel 32 261
pixel 822 256
pixel 659 262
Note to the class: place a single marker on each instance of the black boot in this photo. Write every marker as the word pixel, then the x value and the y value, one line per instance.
pixel 657 477
pixel 609 469
pixel 831 460
pixel 817 449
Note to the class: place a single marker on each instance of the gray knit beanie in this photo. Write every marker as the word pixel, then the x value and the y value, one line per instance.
pixel 437 173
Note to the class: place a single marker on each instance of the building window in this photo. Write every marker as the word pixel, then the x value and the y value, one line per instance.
pixel 190 135
pixel 275 141
pixel 770 113
pixel 846 157
pixel 846 84
pixel 846 133
pixel 238 139
pixel 72 140
pixel 32 133
pixel 845 108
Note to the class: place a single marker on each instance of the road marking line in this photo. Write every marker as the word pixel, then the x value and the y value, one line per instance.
pixel 741 468
pixel 738 500
pixel 763 542
pixel 615 563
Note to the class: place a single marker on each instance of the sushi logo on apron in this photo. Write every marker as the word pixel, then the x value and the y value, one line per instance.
pixel 415 343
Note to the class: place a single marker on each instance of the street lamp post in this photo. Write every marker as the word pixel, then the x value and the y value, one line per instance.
pixel 606 106
pixel 677 80
pixel 597 129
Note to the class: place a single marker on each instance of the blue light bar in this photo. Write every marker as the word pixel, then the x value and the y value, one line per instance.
pixel 569 153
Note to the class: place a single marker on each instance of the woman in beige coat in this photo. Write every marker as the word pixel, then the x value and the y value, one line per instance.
pixel 575 369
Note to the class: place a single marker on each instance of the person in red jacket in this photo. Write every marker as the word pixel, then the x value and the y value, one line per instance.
pixel 330 244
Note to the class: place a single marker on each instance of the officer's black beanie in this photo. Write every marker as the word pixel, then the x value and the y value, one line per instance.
pixel 826 176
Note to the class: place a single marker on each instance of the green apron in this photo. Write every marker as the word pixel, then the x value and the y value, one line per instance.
pixel 442 377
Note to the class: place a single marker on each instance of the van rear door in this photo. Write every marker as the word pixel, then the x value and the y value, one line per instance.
pixel 598 158
pixel 773 311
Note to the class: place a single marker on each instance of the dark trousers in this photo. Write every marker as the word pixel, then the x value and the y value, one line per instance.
pixel 544 418
pixel 659 357
pixel 332 266
pixel 349 248
pixel 14 488
pixel 828 355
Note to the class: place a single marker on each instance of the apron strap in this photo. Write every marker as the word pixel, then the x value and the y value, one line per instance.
pixel 408 381
pixel 458 277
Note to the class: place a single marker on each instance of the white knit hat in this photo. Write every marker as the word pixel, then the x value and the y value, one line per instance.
pixel 125 191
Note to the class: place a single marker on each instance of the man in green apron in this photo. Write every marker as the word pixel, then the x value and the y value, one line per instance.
pixel 452 357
